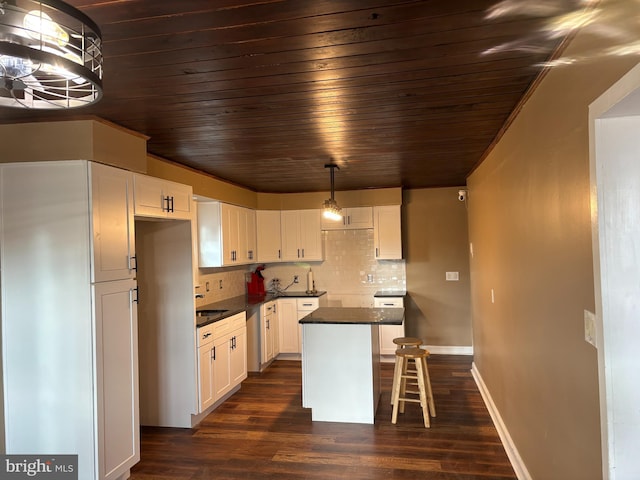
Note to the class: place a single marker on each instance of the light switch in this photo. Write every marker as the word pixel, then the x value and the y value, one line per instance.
pixel 452 276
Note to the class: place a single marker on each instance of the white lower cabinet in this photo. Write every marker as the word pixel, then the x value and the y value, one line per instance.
pixel 222 358
pixel 288 318
pixel 291 310
pixel 269 326
pixel 389 332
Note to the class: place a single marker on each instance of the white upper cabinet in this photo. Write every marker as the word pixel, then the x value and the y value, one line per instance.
pixel 268 236
pixel 155 197
pixel 387 232
pixel 352 218
pixel 226 235
pixel 112 223
pixel 301 235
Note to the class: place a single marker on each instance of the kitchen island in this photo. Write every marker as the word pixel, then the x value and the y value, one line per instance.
pixel 341 362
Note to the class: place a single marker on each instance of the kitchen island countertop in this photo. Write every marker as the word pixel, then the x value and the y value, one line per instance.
pixel 355 316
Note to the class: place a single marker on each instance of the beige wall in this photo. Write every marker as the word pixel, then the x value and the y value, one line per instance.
pixel 529 223
pixel 436 242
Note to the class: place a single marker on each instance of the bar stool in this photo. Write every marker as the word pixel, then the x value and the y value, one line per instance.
pixel 421 380
pixel 404 342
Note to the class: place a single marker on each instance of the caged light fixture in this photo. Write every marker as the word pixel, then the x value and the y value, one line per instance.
pixel 50 56
pixel 330 208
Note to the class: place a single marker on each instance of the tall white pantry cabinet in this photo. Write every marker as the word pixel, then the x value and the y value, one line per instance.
pixel 69 317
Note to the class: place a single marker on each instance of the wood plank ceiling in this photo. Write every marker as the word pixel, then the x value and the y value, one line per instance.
pixel 263 93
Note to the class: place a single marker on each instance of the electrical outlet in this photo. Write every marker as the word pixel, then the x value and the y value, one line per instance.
pixel 296 279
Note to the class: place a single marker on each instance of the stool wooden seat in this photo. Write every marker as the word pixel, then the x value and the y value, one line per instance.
pixel 419 377
pixel 403 342
pixel 407 341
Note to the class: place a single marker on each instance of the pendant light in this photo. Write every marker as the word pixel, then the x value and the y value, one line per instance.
pixel 50 56
pixel 330 208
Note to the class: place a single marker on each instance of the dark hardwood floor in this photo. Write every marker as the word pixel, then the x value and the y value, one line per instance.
pixel 262 432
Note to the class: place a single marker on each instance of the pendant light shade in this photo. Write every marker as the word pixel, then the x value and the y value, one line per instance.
pixel 330 208
pixel 50 56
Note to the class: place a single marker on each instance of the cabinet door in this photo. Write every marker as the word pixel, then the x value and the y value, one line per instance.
pixel 230 220
pixel 268 236
pixel 205 370
pixel 352 218
pixel 239 356
pixel 359 217
pixel 112 223
pixel 221 367
pixel 149 200
pixel 290 229
pixel 310 235
pixel 288 328
pixel 180 197
pixel 117 376
pixel 267 343
pixel 250 234
pixel 387 334
pixel 387 233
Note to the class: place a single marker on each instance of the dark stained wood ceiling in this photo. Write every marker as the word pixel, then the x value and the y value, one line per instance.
pixel 264 93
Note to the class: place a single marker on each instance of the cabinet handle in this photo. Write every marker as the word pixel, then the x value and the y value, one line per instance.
pixel 307 304
pixel 279 254
pixel 165 204
pixel 133 263
pixel 376 252
pixel 303 253
pixel 268 326
pixel 213 352
pixel 170 204
pixel 250 254
pixel 348 219
pixel 135 299
pixel 298 253
pixel 206 335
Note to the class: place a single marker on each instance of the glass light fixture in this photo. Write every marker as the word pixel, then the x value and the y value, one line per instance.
pixel 50 55
pixel 330 208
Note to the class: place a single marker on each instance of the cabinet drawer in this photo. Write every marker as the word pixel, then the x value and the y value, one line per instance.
pixel 221 328
pixel 388 302
pixel 205 335
pixel 237 321
pixel 307 304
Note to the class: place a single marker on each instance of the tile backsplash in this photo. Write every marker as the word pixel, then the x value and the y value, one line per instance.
pixel 350 273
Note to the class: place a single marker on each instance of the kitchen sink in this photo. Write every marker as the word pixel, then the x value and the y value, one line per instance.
pixel 210 313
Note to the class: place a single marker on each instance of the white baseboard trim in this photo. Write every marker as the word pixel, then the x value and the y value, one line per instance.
pixel 434 349
pixel 449 350
pixel 512 452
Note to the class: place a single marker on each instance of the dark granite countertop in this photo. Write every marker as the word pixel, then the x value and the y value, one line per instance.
pixel 243 303
pixel 390 293
pixel 363 316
